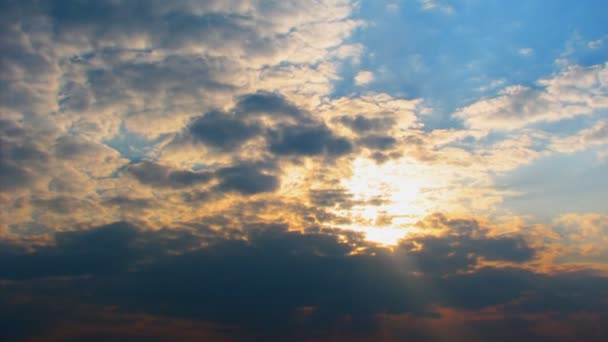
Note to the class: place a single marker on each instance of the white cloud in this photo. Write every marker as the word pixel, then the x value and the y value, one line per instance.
pixel 525 52
pixel 493 85
pixel 596 135
pixel 392 7
pixel 595 44
pixel 574 91
pixel 364 77
pixel 427 5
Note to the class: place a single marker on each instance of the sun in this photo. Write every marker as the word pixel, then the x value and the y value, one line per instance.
pixel 389 198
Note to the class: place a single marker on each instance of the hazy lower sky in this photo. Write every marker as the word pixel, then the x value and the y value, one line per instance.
pixel 323 170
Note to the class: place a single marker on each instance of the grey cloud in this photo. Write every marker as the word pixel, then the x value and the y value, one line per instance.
pixel 173 75
pixel 14 176
pixel 20 162
pixel 10 129
pixel 380 157
pixel 246 179
pixel 61 204
pixel 272 104
pixel 73 147
pixel 307 141
pixel 331 197
pixel 260 276
pixel 222 130
pixel 74 97
pixel 454 254
pixel 378 142
pixel 340 198
pixel 75 253
pixel 362 124
pixel 129 202
pixel 303 136
pixel 162 176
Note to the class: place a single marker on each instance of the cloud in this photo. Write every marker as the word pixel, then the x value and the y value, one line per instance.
pixel 272 104
pixel 392 7
pixel 223 131
pixel 595 44
pixel 427 5
pixel 246 179
pixel 158 175
pixel 574 91
pixel 596 135
pixel 364 77
pixel 294 283
pixel 361 124
pixel 379 142
pixel 525 52
pixel 194 166
pixel 307 141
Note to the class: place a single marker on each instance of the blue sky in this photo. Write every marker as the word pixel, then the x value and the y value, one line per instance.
pixel 450 59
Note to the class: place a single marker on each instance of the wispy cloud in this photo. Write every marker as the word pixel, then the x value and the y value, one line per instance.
pixel 428 5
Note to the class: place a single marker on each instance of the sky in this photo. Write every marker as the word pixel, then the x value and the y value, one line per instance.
pixel 303 170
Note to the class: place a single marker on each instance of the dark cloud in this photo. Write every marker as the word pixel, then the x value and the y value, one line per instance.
pixel 131 203
pixel 13 176
pixel 22 152
pixel 72 147
pixel 222 130
pixel 272 104
pixel 378 142
pixel 455 254
pixel 74 97
pixel 362 124
pixel 340 198
pixel 380 157
pixel 61 204
pixel 10 129
pixel 331 197
pixel 170 26
pixel 294 132
pixel 20 161
pixel 175 75
pixel 307 141
pixel 74 253
pixel 263 278
pixel 162 176
pixel 246 179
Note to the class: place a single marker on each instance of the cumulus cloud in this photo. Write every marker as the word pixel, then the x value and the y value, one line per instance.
pixel 222 130
pixel 596 135
pixel 572 92
pixel 89 91
pixel 364 77
pixel 307 141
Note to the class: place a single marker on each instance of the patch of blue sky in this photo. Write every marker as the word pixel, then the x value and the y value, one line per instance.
pixel 558 184
pixel 571 126
pixel 452 59
pixel 131 145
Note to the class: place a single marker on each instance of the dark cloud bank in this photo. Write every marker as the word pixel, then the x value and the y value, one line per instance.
pixel 264 282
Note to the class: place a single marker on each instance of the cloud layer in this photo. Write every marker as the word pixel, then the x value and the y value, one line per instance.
pixel 241 171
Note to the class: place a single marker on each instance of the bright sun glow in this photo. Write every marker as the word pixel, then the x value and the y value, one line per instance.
pixel 389 198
